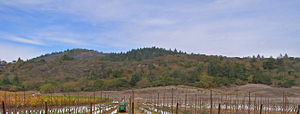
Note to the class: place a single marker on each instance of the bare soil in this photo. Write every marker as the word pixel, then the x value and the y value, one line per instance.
pixel 180 91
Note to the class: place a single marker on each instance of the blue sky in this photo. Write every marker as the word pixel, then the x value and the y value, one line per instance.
pixel 29 28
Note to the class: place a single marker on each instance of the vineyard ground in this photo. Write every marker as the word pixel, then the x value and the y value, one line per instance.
pixel 257 89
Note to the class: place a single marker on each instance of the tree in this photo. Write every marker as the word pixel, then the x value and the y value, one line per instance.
pixel 117 73
pixel 135 78
pixel 214 68
pixel 286 56
pixel 262 79
pixel 98 84
pixel 279 61
pixel 176 74
pixel 193 77
pixel 5 80
pixel 67 58
pixel 287 83
pixel 240 71
pixel 151 77
pixel 16 80
pixel 258 56
pixel 106 73
pixel 19 62
pixel 253 59
pixel 2 62
pixel 228 70
pixel 269 64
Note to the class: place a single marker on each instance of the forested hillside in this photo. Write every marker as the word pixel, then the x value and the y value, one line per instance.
pixel 88 70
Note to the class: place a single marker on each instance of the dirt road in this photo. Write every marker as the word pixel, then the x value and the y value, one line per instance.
pixel 114 111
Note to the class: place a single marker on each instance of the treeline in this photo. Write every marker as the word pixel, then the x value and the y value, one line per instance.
pixel 141 54
pixel 146 67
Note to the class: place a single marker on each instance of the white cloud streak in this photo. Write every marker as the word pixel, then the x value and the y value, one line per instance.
pixel 20 39
pixel 23 40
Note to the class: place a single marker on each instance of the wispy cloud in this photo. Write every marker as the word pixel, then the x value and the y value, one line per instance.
pixel 23 40
pixel 20 39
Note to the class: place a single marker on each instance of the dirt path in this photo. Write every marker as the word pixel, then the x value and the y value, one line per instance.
pixel 136 111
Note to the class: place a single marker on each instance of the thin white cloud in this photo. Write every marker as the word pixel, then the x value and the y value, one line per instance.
pixel 20 39
pixel 23 40
pixel 55 38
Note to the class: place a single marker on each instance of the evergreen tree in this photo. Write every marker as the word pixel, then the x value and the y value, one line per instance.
pixel 269 64
pixel 135 78
pixel 5 80
pixel 16 80
pixel 151 77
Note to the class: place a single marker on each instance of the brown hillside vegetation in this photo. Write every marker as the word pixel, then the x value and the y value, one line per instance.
pixel 88 70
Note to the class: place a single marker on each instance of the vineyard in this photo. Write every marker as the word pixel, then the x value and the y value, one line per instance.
pixel 33 102
pixel 167 101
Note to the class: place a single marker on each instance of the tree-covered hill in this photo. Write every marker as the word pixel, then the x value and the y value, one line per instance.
pixel 141 54
pixel 88 70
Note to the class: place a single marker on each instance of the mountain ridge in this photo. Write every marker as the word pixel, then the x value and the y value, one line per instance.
pixel 86 70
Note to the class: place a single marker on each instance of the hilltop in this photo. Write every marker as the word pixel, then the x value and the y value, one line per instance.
pixel 89 70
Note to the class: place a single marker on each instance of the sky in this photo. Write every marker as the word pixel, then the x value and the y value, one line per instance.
pixel 235 28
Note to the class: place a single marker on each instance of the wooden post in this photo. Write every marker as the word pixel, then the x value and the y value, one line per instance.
pixel 236 103
pixel 91 108
pixel 221 102
pixel 249 104
pixel 172 102
pixel 94 100
pixel 298 109
pixel 285 104
pixel 269 105
pixel 164 102
pixel 200 105
pixel 195 103
pixel 130 104
pixel 132 110
pixel 265 104
pixel 157 99
pixel 46 108
pixel 4 112
pixel 282 110
pixel 255 105
pixel 24 110
pixel 177 108
pixel 78 103
pixel 244 100
pixel 185 102
pixel 15 103
pixel 9 103
pixel 211 102
pixel 226 103
pixel 219 109
pixel 261 106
